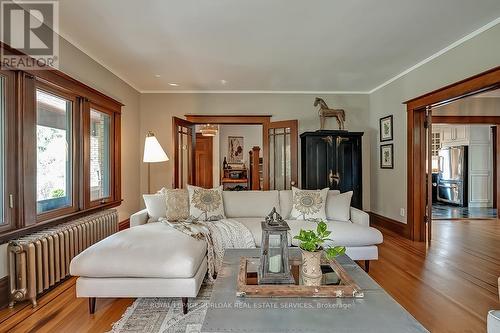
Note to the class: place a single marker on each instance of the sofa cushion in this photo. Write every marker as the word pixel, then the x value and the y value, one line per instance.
pixel 343 234
pixel 206 204
pixel 152 250
pixel 286 202
pixel 254 225
pixel 156 206
pixel 338 206
pixel 250 203
pixel 308 204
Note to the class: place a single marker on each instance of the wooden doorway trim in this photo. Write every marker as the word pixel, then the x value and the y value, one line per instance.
pixel 416 142
pixel 228 119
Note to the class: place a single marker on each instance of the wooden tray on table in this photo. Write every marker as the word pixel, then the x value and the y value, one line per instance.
pixel 336 282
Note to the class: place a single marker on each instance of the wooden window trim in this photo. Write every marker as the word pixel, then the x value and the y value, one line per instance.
pixel 75 168
pixel 86 152
pixel 23 172
pixel 11 149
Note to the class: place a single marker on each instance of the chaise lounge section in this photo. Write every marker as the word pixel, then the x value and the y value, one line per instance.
pixel 156 260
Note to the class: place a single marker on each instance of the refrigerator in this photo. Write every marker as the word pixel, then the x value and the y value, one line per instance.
pixel 452 176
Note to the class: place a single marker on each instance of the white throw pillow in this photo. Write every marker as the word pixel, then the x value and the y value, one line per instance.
pixel 206 204
pixel 156 206
pixel 308 204
pixel 338 207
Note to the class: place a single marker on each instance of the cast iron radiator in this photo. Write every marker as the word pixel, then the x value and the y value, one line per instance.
pixel 40 260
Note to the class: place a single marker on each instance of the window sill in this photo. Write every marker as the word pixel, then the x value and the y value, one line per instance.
pixel 14 234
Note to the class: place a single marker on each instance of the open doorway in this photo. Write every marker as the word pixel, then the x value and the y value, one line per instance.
pixel 224 156
pixel 420 115
pixel 247 152
pixel 463 167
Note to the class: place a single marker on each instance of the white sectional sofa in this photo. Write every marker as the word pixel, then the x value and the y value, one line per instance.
pixel 155 260
pixel 493 321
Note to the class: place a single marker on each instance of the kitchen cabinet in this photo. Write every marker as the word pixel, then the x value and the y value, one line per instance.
pixel 454 135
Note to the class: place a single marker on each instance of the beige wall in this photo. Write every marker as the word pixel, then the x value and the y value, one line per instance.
pixel 157 111
pixel 252 136
pixel 388 187
pixel 83 68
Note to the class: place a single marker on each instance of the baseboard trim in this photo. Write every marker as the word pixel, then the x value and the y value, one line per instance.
pixel 377 220
pixel 4 292
pixel 125 224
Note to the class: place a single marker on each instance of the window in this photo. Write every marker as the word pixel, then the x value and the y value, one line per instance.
pixel 54 152
pixel 100 166
pixel 59 150
pixel 8 151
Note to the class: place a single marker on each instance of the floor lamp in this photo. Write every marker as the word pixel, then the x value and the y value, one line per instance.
pixel 153 153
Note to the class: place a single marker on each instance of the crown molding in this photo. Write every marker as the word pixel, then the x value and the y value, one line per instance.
pixel 100 62
pixel 283 92
pixel 439 53
pixel 290 92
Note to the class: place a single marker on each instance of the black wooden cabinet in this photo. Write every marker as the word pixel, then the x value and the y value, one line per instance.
pixel 333 159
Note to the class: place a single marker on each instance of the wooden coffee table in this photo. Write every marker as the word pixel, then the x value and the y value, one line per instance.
pixel 376 312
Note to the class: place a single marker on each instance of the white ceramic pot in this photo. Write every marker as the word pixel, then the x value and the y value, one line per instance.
pixel 311 268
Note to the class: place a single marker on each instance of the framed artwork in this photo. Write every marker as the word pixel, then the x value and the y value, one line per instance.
pixel 386 131
pixel 235 149
pixel 387 156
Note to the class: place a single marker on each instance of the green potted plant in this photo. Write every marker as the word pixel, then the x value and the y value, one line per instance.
pixel 311 244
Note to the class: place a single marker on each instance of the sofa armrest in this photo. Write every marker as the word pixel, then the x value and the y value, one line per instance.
pixel 141 217
pixel 360 217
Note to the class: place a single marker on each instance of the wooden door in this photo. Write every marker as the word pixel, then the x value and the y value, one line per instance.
pixel 428 199
pixel 203 153
pixel 184 139
pixel 280 154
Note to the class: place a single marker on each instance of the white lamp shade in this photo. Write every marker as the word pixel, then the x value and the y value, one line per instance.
pixel 153 152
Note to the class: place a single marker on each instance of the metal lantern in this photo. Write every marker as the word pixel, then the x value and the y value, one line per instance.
pixel 274 267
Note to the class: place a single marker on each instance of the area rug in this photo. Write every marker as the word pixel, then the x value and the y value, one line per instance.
pixel 164 315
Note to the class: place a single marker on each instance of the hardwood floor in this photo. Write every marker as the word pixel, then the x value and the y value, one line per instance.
pixel 448 286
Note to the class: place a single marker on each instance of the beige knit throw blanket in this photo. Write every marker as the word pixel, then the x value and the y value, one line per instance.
pixel 219 236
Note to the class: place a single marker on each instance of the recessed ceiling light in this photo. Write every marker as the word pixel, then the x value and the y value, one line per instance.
pixel 223 82
pixel 173 84
pixel 157 76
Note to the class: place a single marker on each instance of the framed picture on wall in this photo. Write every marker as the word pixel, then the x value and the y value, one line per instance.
pixel 235 149
pixel 387 156
pixel 386 131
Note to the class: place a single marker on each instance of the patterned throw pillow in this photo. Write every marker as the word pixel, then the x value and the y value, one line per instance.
pixel 206 204
pixel 177 205
pixel 308 204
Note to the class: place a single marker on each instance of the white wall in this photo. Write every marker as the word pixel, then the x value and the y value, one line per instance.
pixel 157 111
pixel 252 135
pixel 83 68
pixel 388 187
pixel 471 106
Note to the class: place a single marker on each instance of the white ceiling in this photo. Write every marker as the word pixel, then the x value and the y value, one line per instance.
pixel 267 45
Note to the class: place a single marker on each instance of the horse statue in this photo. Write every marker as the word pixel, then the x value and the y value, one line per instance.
pixel 325 111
